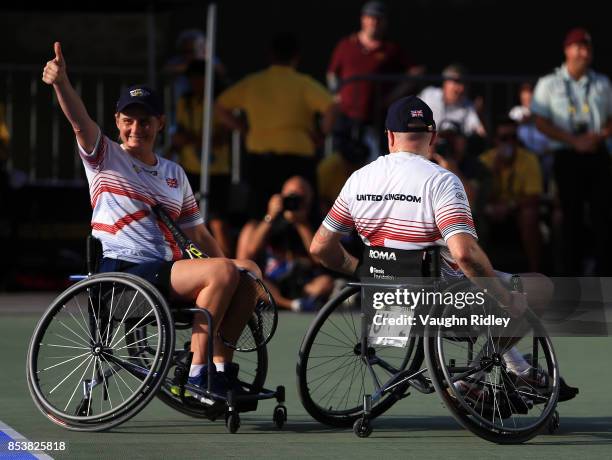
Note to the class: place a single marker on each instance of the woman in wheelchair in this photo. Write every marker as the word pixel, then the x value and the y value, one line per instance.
pixel 126 179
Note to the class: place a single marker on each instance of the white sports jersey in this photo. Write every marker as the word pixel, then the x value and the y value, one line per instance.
pixel 403 201
pixel 122 191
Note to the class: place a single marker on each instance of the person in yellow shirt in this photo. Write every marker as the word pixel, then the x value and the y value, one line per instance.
pixel 4 137
pixel 281 105
pixel 187 144
pixel 517 187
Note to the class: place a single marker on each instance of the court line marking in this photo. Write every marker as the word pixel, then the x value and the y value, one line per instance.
pixel 16 436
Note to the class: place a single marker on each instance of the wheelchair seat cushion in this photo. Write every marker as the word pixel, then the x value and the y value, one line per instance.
pixel 155 272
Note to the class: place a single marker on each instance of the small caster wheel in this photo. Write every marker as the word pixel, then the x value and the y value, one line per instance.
pixel 232 422
pixel 84 409
pixel 362 428
pixel 280 416
pixel 553 423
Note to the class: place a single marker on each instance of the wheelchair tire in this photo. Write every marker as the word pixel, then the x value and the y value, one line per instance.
pixel 495 404
pixel 103 378
pixel 331 347
pixel 253 372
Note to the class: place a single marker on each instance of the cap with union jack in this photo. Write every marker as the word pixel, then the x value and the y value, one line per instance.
pixel 410 114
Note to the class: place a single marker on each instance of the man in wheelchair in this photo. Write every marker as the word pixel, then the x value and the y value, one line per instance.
pixel 405 202
pixel 126 180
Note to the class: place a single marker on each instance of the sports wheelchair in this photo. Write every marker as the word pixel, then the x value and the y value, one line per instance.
pixel 111 342
pixel 347 378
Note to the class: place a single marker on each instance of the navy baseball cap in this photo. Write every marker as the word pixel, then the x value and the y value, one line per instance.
pixel 143 96
pixel 374 8
pixel 410 115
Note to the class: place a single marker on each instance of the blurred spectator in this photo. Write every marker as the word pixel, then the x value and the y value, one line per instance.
pixel 280 105
pixel 187 143
pixel 190 46
pixel 529 135
pixel 513 206
pixel 4 145
pixel 573 107
pixel 450 152
pixel 280 242
pixel 363 53
pixel 349 155
pixel 451 102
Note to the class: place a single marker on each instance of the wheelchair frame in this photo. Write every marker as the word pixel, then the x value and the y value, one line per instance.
pixel 381 394
pixel 148 357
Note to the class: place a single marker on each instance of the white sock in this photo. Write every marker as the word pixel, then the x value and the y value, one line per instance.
pixel 295 305
pixel 220 367
pixel 195 369
pixel 515 361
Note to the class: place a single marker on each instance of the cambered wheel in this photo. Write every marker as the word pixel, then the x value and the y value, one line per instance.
pixel 333 378
pixel 85 369
pixel 472 376
pixel 253 372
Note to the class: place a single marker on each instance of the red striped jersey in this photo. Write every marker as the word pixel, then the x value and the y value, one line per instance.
pixel 403 201
pixel 123 190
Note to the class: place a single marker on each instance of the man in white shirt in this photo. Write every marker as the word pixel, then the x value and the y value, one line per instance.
pixel 403 201
pixel 450 102
pixel 573 107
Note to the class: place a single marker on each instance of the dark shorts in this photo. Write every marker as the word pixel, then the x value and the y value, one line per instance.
pixel 157 272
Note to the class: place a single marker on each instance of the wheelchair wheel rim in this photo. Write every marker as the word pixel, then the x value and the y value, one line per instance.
pixel 496 400
pixel 331 374
pixel 93 356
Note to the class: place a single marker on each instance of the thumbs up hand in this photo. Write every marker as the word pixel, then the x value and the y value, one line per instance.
pixel 55 70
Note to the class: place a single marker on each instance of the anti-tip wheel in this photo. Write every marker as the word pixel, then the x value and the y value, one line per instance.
pixel 554 422
pixel 232 422
pixel 362 428
pixel 280 416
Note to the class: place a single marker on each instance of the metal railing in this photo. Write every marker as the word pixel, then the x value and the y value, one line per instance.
pixel 499 92
pixel 43 149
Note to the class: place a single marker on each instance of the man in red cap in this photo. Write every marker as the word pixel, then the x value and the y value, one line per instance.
pixel 366 52
pixel 573 107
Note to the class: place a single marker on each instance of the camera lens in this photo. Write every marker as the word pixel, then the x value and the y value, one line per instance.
pixel 292 202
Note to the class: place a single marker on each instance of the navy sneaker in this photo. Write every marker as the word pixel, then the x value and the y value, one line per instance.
pixel 231 373
pixel 305 304
pixel 219 385
pixel 238 389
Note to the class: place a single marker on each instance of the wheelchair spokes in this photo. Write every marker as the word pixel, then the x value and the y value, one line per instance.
pixel 334 374
pixel 489 391
pixel 96 349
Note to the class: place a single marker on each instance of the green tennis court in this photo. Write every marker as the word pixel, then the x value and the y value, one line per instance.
pixel 417 426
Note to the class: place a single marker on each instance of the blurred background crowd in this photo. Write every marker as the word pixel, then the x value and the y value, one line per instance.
pixel 533 156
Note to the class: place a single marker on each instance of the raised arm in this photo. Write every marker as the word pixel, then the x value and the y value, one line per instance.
pixel 84 127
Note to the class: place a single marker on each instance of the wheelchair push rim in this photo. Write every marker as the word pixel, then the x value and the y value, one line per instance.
pixel 474 378
pixel 332 376
pixel 85 366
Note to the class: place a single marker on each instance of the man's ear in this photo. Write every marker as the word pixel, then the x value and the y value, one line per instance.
pixel 162 122
pixel 390 138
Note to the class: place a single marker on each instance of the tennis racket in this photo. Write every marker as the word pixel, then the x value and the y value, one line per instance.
pixel 250 292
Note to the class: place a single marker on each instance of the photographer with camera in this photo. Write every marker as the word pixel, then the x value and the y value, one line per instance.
pixel 279 243
pixel 573 107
